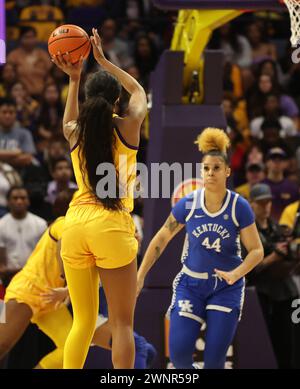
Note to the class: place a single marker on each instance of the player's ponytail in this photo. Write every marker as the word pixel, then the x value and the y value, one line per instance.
pixel 96 136
pixel 214 142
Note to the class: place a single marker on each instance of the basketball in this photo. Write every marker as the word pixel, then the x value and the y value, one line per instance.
pixel 71 39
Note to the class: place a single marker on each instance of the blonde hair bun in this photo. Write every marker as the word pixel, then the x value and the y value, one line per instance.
pixel 213 139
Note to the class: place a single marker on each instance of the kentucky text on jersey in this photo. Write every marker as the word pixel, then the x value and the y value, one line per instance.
pixel 222 231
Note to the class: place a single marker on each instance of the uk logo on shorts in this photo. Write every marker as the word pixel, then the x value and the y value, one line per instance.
pixel 2 312
pixel 185 306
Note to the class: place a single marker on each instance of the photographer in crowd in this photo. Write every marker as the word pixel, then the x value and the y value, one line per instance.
pixel 273 279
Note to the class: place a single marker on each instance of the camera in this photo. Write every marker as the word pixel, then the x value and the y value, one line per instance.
pixel 293 239
pixel 294 249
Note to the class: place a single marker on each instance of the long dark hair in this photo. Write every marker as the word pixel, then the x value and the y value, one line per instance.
pixel 96 136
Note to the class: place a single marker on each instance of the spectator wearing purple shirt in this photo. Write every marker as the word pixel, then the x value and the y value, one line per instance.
pixel 264 86
pixel 284 191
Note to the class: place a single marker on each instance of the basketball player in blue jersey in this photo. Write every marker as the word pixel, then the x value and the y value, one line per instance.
pixel 210 286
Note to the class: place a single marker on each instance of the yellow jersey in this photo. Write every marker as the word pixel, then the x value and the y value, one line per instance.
pixel 125 165
pixel 42 268
pixel 288 215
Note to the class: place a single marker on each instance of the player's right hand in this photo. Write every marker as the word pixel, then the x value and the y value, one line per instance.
pixel 65 64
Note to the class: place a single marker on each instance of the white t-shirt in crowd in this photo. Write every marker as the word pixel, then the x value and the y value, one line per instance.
pixel 19 237
pixel 288 127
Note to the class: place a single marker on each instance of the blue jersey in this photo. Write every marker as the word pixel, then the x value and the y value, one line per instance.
pixel 213 239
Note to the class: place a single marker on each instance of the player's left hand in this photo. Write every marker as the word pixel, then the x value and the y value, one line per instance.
pixel 54 296
pixel 229 276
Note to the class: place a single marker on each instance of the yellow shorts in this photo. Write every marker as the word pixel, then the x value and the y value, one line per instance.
pixel 24 291
pixel 93 236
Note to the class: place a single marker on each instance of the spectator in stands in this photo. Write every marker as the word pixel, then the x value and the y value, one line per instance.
pixel 9 177
pixel 273 278
pixel 57 148
pixel 261 49
pixel 236 110
pixel 43 17
pixel 271 137
pixel 256 97
pixel 62 174
pixel 37 177
pixel 145 57
pixel 255 154
pixel 271 110
pixel 16 144
pixel 293 79
pixel 232 80
pixel 49 117
pixel 236 47
pixel 33 64
pixel 115 49
pixel 20 230
pixel 255 173
pixel 288 215
pixel 7 79
pixel 284 191
pixel 271 68
pixel 26 105
pixel 238 150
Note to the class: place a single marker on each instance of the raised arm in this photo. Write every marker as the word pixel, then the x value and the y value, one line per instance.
pixel 156 247
pixel 72 107
pixel 137 108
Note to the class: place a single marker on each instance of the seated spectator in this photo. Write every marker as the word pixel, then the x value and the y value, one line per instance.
pixel 26 105
pixel 255 173
pixel 289 214
pixel 58 77
pixel 44 18
pixel 116 50
pixel 236 110
pixel 9 177
pixel 32 63
pixel 16 144
pixel 284 191
pixel 236 48
pixel 271 137
pixel 271 68
pixel 271 110
pixel 255 154
pixel 20 231
pixel 263 87
pixel 261 48
pixel 145 57
pixel 273 279
pixel 62 174
pixel 7 79
pixel 238 150
pixel 232 80
pixel 49 117
pixel 57 148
